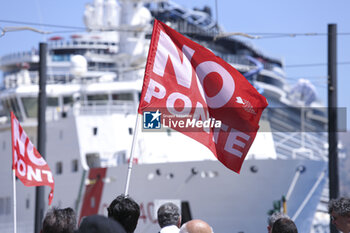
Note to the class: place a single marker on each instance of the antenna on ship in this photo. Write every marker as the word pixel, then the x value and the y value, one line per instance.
pixel 216 13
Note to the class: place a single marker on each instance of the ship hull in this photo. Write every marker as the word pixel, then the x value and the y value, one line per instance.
pixel 228 201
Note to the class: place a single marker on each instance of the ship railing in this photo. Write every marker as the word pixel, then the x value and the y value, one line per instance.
pixel 185 27
pixel 242 60
pixel 270 66
pixel 288 142
pixel 100 107
pixel 85 44
pixel 190 29
pixel 105 107
pixel 94 55
pixel 19 57
pixel 235 59
pixel 11 81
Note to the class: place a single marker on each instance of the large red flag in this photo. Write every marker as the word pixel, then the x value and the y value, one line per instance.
pixel 188 88
pixel 30 167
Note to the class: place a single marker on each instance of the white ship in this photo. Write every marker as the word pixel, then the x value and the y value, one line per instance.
pixel 93 87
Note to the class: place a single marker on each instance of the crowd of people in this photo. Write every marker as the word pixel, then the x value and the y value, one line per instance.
pixel 124 213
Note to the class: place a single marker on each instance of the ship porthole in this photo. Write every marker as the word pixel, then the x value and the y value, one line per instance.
pixel 254 169
pixel 170 176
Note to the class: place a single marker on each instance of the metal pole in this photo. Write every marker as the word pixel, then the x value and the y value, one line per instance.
pixel 14 201
pixel 332 116
pixel 40 191
pixel 131 158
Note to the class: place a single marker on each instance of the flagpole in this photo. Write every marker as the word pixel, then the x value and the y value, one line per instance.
pixel 14 201
pixel 131 158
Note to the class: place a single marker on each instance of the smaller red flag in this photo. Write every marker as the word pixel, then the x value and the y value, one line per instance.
pixel 30 167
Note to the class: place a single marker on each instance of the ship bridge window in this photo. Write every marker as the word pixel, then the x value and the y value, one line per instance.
pixel 52 102
pixel 67 100
pixel 15 107
pixel 122 96
pixel 11 104
pixel 179 11
pixel 60 57
pixel 97 99
pixel 269 80
pixel 194 17
pixel 30 105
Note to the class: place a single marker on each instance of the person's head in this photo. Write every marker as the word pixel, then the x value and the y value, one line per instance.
pixel 196 226
pixel 169 214
pixel 273 218
pixel 100 224
pixel 284 225
pixel 339 209
pixel 126 211
pixel 59 221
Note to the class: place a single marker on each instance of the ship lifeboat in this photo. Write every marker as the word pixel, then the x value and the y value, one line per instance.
pixel 56 38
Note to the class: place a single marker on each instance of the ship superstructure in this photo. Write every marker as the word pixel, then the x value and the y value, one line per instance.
pixel 93 87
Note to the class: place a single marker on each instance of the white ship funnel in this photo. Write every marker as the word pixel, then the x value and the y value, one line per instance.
pixel 93 15
pixel 137 17
pixel 98 13
pixel 112 11
pixel 89 16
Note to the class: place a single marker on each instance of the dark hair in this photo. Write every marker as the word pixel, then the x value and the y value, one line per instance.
pixel 59 221
pixel 126 211
pixel 274 217
pixel 168 214
pixel 340 206
pixel 284 225
pixel 100 224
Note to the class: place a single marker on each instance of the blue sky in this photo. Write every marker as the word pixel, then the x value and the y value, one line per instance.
pixel 250 16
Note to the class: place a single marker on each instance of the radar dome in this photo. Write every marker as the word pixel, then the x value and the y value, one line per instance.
pixel 78 65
